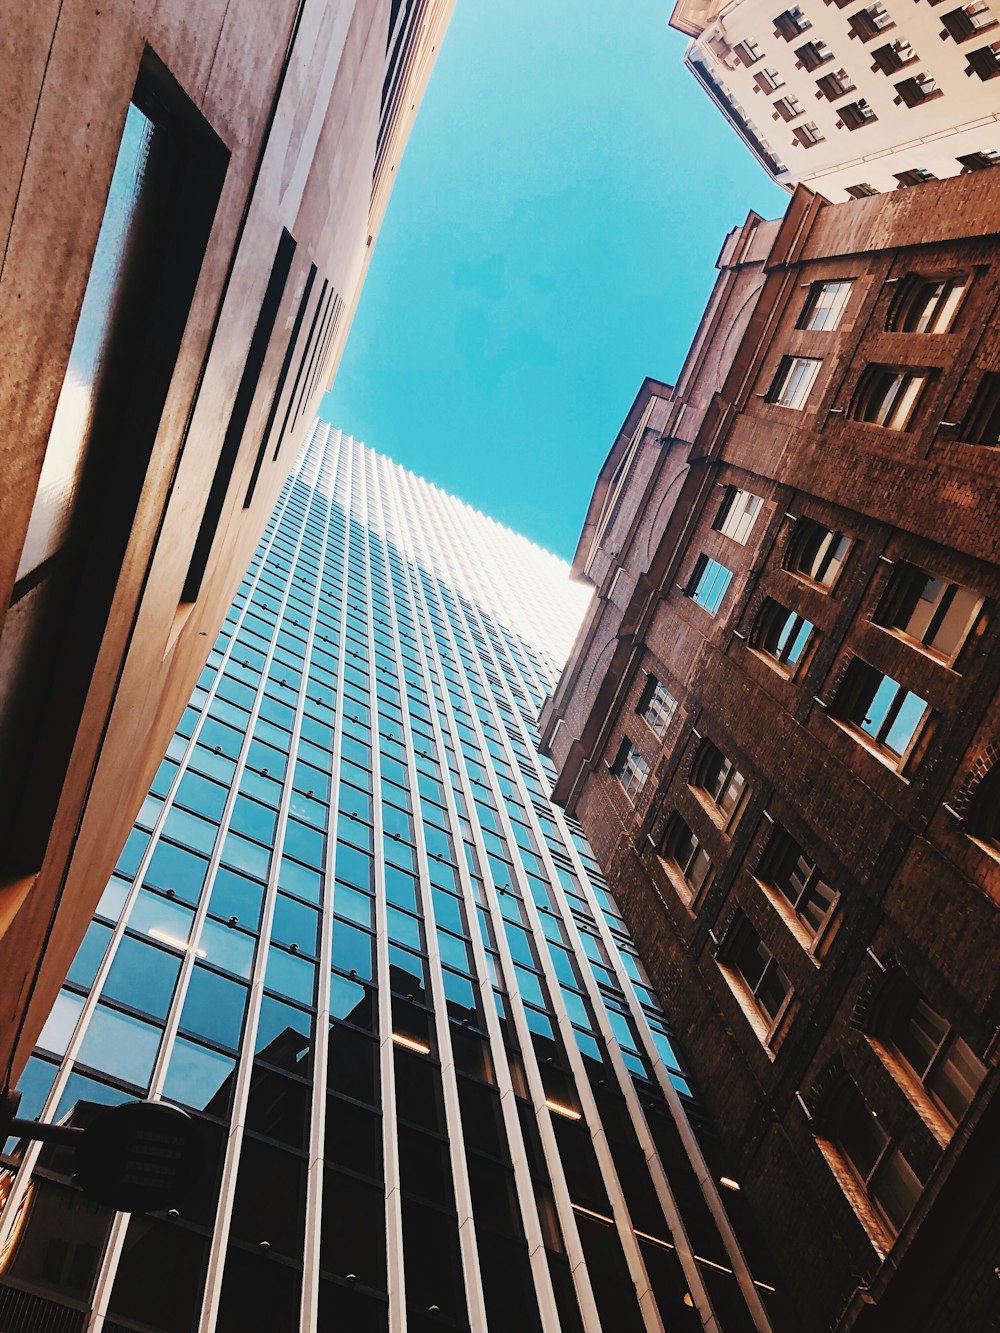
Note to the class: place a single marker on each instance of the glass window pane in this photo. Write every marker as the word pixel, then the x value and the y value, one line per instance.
pixel 175 868
pixel 214 1008
pixel 199 1078
pixel 120 1045
pixel 226 947
pixel 142 977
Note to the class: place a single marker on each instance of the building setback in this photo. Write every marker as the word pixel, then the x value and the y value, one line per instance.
pixel 779 730
pixel 188 201
pixel 852 99
pixel 352 934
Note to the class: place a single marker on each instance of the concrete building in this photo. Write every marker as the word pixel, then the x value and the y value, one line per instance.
pixel 852 99
pixel 189 194
pixel 779 730
pixel 350 932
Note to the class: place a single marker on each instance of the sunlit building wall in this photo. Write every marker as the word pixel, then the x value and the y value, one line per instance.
pixel 350 932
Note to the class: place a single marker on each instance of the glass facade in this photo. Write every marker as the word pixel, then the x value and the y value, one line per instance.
pixel 351 933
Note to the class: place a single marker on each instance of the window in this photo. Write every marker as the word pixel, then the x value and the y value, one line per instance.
pixel 863 191
pixel 825 305
pixel 856 114
pixel 928 611
pixel 880 707
pixel 817 552
pixel 737 514
pixel 982 421
pixel 868 23
pixel 720 780
pixel 876 1163
pixel 750 963
pixel 835 85
pixel 708 583
pixel 788 108
pixel 935 1054
pixel 798 879
pixel 978 161
pixel 921 88
pixel 781 634
pixel 893 56
pixel 687 856
pixel 791 22
pixel 747 52
pixel 961 24
pixel 630 769
pixel 915 176
pixel 793 380
pixel 657 706
pixel 985 62
pixel 927 304
pixel 807 134
pixel 887 396
pixel 813 54
pixel 767 80
pixel 983 822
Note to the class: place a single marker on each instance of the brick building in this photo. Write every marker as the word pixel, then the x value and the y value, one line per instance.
pixel 189 195
pixel 779 729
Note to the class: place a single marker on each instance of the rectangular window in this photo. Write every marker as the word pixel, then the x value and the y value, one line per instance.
pixel 791 22
pixel 856 114
pixel 862 191
pixel 793 380
pixel 708 583
pixel 985 62
pixel 882 708
pixel 788 108
pixel 887 396
pixel 921 88
pixel 813 54
pixel 630 769
pixel 835 85
pixel 893 56
pixel 868 23
pixel 750 963
pixel 928 611
pixel 982 422
pixel 915 176
pixel 657 706
pixel 798 879
pixel 978 161
pixel 825 305
pixel 737 514
pixel 747 52
pixel 767 80
pixel 808 134
pixel 781 634
pixel 961 24
pixel 687 857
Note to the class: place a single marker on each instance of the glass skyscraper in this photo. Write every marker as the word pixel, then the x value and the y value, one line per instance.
pixel 351 933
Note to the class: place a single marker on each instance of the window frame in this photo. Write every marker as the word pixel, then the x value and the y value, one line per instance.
pixel 783 854
pixel 813 305
pixel 741 937
pixel 736 524
pixel 679 831
pixel 710 787
pixel 906 585
pixel 704 576
pixel 889 397
pixel 664 712
pixel 785 376
pixel 860 688
pixel 824 559
pixel 626 770
pixel 928 303
pixel 771 625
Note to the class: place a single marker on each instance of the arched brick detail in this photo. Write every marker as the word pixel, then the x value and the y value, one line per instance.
pixel 833 685
pixel 753 609
pixel 980 769
pixel 874 981
pixel 817 1097
pixel 761 840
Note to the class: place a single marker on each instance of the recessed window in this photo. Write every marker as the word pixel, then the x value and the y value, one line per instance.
pixel 824 306
pixel 927 304
pixel 928 611
pixel 936 1055
pixel 872 1158
pixel 921 88
pixel 767 80
pixel 880 707
pixel 817 552
pixel 630 769
pixel 737 514
pixel 813 54
pixel 793 380
pixel 856 114
pixel 718 778
pixel 983 822
pixel 984 62
pixel 893 56
pixel 862 191
pixel 788 870
pixel 915 176
pixel 657 706
pixel 781 634
pixel 791 22
pixel 808 134
pixel 982 421
pixel 708 583
pixel 747 52
pixel 868 23
pixel 753 967
pixel 888 396
pixel 788 108
pixel 835 85
pixel 962 24
pixel 687 856
pixel 978 161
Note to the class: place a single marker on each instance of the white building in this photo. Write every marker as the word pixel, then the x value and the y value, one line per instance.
pixel 853 98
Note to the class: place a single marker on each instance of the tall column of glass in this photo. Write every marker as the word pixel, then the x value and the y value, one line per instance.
pixel 353 936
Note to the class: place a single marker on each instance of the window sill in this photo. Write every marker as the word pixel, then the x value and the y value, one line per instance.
pixel 810 944
pixel 894 763
pixel 770 1035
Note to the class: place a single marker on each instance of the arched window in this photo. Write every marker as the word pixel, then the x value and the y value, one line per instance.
pixel 867 1151
pixel 929 1048
pixel 781 634
pixel 926 303
pixel 686 857
pixel 720 780
pixel 887 396
pixel 984 818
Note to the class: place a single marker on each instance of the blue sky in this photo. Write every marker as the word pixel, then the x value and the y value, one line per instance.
pixel 550 240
